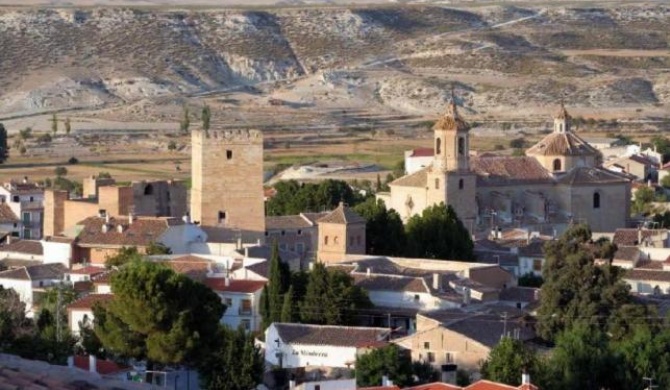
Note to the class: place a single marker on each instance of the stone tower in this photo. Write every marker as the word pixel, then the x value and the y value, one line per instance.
pixel 341 232
pixel 450 179
pixel 227 184
pixel 54 212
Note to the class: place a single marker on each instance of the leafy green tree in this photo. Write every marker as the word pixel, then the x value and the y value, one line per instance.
pixel 313 308
pixel 392 362
pixel 158 315
pixel 582 359
pixel 54 124
pixel 60 171
pixel 89 342
pixel 507 361
pixel 172 145
pixel 438 234
pixel 185 120
pixel 68 126
pixel 156 248
pixel 13 321
pixel 4 146
pixel 384 231
pixel 642 200
pixel 645 353
pixel 575 288
pixel 236 363
pixel 662 145
pixel 206 117
pixel 530 280
pixel 517 143
pixel 665 181
pixel 294 198
pixel 55 300
pixel 26 133
pixel 124 256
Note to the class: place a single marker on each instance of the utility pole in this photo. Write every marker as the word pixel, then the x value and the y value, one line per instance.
pixel 504 316
pixel 58 304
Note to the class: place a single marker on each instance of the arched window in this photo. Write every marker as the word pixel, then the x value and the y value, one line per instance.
pixel 557 165
pixel 437 183
pixel 460 184
pixel 596 200
pixel 438 146
pixel 461 146
pixel 325 240
pixel 149 190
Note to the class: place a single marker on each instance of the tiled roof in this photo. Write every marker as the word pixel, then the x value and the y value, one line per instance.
pixel 35 272
pixel 423 152
pixel 60 239
pixel 87 271
pixel 313 217
pixel 451 120
pixel 88 301
pixel 379 388
pixel 416 179
pixel 341 336
pixel 105 278
pixel 483 328
pixel 488 385
pixel 508 170
pixel 390 283
pixel 287 222
pixel 520 294
pixel 342 215
pixel 435 386
pixel 234 285
pixel 642 160
pixel 141 232
pixel 562 144
pixel 103 367
pixel 6 214
pixel 18 188
pixel 504 259
pixel 629 237
pixel 10 263
pixel 627 253
pixel 647 275
pixel 585 175
pixel 29 247
pixel 194 267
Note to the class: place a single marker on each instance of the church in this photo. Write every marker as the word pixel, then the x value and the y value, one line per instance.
pixel 559 181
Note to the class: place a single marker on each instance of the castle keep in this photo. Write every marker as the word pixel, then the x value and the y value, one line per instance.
pixel 227 184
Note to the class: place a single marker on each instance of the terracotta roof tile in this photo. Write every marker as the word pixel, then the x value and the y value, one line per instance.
pixel 416 179
pixel 141 232
pixel 520 294
pixel 35 272
pixel 508 170
pixel 342 215
pixel 194 267
pixel 90 270
pixel 105 278
pixel 647 275
pixel 6 214
pixel 234 285
pixel 562 144
pixel 380 388
pixel 287 222
pixel 30 247
pixel 423 152
pixel 376 282
pixel 630 237
pixel 103 367
pixel 88 301
pixel 488 385
pixel 344 336
pixel 435 386
pixel 451 120
pixel 627 254
pixel 585 175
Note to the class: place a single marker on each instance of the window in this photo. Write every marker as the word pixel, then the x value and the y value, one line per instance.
pixel 245 324
pixel 26 234
pixel 246 307
pixel 431 357
pixel 15 199
pixel 537 265
pixel 317 387
pixel 416 297
pixel 461 146
pixel 300 247
pixel 222 216
pixel 32 199
pixel 460 184
pixel 325 240
pixel 299 232
pixel 267 233
pixel 26 217
pixel 438 146
pixel 283 247
pixel 229 154
pixel 426 345
pixel 283 232
pixel 228 302
pixel 596 200
pixel 437 184
pixel 448 358
pixel 557 165
pixel 149 190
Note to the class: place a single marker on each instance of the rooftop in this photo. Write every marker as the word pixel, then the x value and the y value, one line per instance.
pixel 6 214
pixel 585 175
pixel 35 272
pixel 28 247
pixel 88 301
pixel 103 367
pixel 507 170
pixel 89 270
pixel 141 232
pixel 562 144
pixel 342 215
pixel 340 336
pixel 631 237
pixel 234 285
pixel 287 222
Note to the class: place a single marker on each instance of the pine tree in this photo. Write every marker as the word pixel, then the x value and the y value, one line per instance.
pixel 4 148
pixel 287 310
pixel 54 124
pixel 68 126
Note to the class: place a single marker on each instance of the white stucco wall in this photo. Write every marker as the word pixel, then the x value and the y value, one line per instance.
pixel 56 252
pixel 413 164
pixel 403 299
pixel 233 316
pixel 24 289
pixel 300 355
pixel 526 265
pixel 647 287
pixel 76 316
pixel 181 238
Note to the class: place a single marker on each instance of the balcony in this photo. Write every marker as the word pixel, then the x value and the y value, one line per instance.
pixel 245 311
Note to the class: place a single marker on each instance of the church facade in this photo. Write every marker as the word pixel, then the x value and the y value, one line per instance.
pixel 558 182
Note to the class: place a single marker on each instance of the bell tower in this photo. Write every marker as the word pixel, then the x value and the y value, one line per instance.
pixel 449 179
pixel 562 121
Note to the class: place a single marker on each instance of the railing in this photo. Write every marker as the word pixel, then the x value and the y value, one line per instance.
pixel 245 312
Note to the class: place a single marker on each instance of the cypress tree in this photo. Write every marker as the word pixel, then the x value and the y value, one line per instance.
pixel 206 116
pixel 4 149
pixel 287 311
pixel 278 284
pixel 54 124
pixel 313 307
pixel 68 126
pixel 264 308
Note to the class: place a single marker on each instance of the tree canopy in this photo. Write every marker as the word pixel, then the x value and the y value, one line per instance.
pixel 159 315
pixel 507 361
pixel 294 198
pixel 438 234
pixel 4 146
pixel 384 231
pixel 393 362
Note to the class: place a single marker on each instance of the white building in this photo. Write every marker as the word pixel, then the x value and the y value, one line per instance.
pixel 418 159
pixel 242 300
pixel 81 310
pixel 26 201
pixel 301 345
pixel 30 279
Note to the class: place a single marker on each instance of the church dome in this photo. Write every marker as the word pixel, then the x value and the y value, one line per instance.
pixel 562 144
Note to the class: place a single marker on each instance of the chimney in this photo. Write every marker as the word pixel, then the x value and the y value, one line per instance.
pixel 102 213
pixel 9 238
pixel 107 218
pixel 291 384
pixel 525 377
pixel 639 236
pixel 131 218
pixel 119 228
pixel 92 363
pixel 246 252
pixel 436 282
pixel 25 179
pixel 466 295
pixel 368 271
pixel 70 361
pixel 386 381
pixel 186 218
pixel 105 228
pixel 239 243
pixel 226 281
